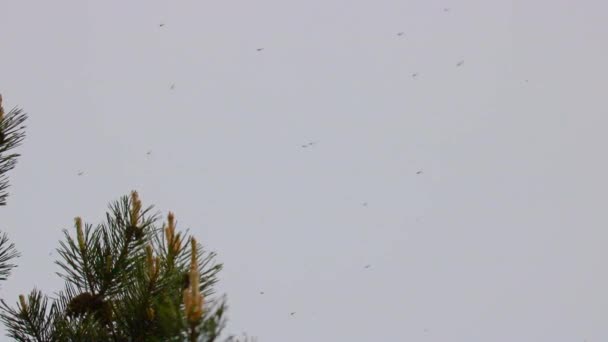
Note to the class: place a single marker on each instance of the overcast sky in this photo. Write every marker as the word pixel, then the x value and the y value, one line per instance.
pixel 452 184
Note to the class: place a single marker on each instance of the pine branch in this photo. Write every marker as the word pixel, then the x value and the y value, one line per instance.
pixel 72 327
pixel 74 262
pixel 31 321
pixel 214 322
pixel 125 240
pixel 7 253
pixel 12 133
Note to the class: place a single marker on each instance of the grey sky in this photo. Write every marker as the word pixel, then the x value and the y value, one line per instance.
pixel 502 237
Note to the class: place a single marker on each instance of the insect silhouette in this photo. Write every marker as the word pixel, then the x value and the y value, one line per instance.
pixel 309 144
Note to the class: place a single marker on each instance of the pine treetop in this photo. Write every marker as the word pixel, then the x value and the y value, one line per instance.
pixel 126 279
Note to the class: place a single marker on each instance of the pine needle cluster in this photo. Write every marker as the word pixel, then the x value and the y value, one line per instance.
pixel 12 133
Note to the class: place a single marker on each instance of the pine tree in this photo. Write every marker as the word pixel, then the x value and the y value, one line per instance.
pixel 12 133
pixel 126 279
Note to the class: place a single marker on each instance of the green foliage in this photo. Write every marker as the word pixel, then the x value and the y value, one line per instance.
pixel 7 254
pixel 126 279
pixel 12 133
